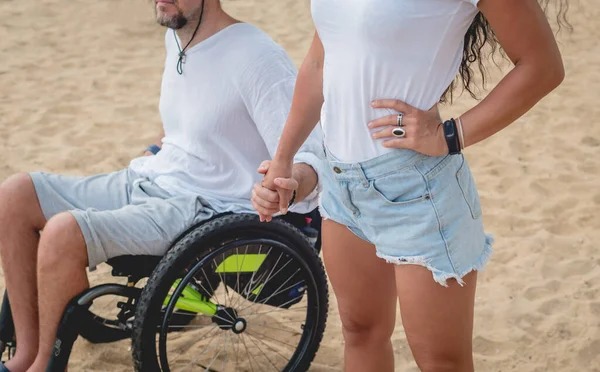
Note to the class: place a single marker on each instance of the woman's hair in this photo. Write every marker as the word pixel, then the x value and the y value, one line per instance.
pixel 480 44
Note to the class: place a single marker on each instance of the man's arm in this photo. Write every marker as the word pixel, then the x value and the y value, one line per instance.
pixel 158 143
pixel 307 180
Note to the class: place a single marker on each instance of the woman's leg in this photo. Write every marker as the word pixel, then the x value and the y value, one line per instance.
pixel 438 320
pixel 366 295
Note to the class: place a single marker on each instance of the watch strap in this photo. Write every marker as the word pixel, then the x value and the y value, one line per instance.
pixel 153 149
pixel 451 136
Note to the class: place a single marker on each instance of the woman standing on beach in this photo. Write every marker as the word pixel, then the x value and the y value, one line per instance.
pixel 396 187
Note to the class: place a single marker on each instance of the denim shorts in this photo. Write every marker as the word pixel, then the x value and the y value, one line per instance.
pixel 415 209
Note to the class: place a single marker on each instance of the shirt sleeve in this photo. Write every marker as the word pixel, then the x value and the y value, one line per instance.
pixel 267 88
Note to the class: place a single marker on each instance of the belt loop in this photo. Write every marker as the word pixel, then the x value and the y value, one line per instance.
pixel 363 176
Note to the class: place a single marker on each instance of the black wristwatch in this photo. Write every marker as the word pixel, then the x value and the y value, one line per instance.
pixel 292 199
pixel 451 136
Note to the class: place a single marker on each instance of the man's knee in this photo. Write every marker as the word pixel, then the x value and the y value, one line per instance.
pixel 370 332
pixel 18 200
pixel 61 241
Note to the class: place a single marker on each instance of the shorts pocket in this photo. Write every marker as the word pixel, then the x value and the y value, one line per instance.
pixel 402 188
pixel 469 190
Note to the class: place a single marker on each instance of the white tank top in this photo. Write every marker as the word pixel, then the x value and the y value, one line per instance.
pixel 375 49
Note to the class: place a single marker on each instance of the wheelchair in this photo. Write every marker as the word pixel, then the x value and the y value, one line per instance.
pixel 231 294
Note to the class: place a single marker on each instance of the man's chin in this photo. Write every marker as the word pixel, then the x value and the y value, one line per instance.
pixel 170 20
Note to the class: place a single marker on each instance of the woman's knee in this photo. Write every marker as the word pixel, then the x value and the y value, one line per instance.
pixel 370 332
pixel 445 363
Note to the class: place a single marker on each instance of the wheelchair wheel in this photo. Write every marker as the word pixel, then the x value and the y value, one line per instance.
pixel 256 292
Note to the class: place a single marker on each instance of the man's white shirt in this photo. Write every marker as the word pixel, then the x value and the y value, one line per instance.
pixel 223 116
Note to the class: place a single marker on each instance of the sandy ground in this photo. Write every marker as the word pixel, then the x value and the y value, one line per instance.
pixel 79 84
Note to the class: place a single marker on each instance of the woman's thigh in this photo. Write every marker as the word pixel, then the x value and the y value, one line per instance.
pixel 364 284
pixel 438 320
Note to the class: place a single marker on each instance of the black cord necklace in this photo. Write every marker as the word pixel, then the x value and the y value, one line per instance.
pixel 181 59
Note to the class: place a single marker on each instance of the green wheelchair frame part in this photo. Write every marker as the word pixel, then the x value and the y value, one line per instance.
pixel 191 300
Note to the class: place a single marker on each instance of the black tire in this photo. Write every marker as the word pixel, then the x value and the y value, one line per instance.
pixel 198 244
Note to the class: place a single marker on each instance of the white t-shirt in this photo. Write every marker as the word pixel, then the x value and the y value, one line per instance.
pixel 223 117
pixel 384 49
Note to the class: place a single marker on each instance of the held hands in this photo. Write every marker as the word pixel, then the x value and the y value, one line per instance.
pixel 275 191
pixel 424 132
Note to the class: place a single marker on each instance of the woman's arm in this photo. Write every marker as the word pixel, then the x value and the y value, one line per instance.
pixel 525 35
pixel 527 39
pixel 306 105
pixel 302 119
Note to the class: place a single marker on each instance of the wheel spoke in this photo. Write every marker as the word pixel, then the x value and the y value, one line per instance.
pixel 197 326
pixel 248 352
pixel 269 278
pixel 277 291
pixel 184 350
pixel 270 348
pixel 275 294
pixel 216 355
pixel 271 338
pixel 227 355
pixel 276 309
pixel 246 292
pixel 270 273
pixel 208 347
pixel 277 329
pixel 255 344
pixel 237 351
pixel 238 272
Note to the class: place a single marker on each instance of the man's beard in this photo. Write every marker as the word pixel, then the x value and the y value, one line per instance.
pixel 175 22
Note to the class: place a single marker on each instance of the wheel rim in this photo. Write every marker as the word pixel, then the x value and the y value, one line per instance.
pixel 255 327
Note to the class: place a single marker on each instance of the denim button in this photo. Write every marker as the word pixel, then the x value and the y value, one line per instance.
pixel 337 170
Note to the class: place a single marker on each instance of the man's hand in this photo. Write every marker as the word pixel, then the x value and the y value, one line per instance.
pixel 278 170
pixel 268 202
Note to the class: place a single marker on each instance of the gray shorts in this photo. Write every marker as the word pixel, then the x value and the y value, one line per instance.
pixel 120 213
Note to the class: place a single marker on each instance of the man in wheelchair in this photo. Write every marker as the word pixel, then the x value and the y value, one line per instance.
pixel 226 92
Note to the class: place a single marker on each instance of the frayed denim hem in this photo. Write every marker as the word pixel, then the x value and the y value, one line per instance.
pixel 322 211
pixel 442 277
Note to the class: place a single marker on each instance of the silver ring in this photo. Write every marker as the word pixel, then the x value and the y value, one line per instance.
pixel 398 132
pixel 399 120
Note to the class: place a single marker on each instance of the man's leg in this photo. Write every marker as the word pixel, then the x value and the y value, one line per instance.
pixel 21 218
pixel 78 238
pixel 26 203
pixel 62 260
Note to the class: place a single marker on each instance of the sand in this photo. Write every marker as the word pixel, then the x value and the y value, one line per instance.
pixel 79 84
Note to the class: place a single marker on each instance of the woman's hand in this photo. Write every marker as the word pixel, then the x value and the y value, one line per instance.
pixel 424 132
pixel 275 191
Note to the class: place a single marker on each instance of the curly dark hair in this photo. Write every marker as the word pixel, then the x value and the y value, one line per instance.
pixel 481 45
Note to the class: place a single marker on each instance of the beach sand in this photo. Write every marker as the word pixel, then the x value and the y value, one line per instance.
pixel 79 85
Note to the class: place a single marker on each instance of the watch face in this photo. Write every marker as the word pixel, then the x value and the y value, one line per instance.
pixel 449 129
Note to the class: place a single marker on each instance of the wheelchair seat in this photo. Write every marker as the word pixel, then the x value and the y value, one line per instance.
pixel 134 266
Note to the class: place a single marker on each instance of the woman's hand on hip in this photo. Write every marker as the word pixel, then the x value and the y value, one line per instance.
pixel 424 132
